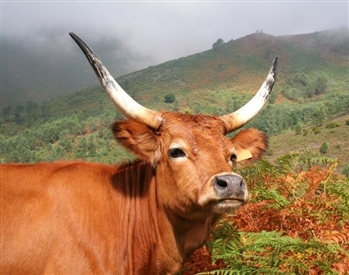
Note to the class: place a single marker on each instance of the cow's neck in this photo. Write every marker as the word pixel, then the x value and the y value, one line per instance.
pixel 151 230
pixel 144 222
pixel 190 235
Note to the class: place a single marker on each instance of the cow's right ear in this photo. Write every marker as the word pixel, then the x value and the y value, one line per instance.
pixel 138 139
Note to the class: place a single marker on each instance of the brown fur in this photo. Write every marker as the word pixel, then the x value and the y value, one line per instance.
pixel 144 217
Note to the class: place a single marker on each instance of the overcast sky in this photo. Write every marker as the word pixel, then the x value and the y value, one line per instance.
pixel 164 30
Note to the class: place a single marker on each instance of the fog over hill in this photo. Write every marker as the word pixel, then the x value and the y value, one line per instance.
pixel 49 68
pixel 44 69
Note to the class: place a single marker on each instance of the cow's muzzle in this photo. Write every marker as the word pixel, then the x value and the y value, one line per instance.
pixel 231 191
pixel 230 186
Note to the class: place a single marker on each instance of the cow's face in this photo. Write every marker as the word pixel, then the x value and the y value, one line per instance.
pixel 194 161
pixel 192 157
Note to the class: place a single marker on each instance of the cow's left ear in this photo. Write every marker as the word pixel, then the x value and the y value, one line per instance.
pixel 137 138
pixel 250 145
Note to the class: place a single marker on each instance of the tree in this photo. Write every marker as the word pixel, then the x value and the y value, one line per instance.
pixel 324 148
pixel 320 85
pixel 18 110
pixel 218 43
pixel 31 108
pixel 6 112
pixel 170 98
pixel 44 109
pixel 319 116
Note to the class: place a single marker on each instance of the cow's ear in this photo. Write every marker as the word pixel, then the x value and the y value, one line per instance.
pixel 138 139
pixel 250 145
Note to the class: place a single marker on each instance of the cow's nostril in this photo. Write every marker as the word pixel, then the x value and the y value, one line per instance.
pixel 221 183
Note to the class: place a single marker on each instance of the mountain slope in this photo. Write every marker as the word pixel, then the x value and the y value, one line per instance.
pixel 242 62
pixel 312 68
pixel 238 68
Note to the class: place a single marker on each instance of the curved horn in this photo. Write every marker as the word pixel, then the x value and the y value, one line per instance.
pixel 240 117
pixel 129 107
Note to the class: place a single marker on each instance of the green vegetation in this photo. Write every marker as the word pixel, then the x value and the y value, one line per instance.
pixel 324 147
pixel 300 87
pixel 72 137
pixel 335 132
pixel 310 95
pixel 218 43
pixel 296 223
pixel 271 252
pixel 170 98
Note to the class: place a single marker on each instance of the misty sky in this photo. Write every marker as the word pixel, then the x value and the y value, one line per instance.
pixel 163 30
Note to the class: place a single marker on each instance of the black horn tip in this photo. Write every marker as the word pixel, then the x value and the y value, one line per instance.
pixel 83 46
pixel 275 60
pixel 274 66
pixel 95 62
pixel 72 34
pixel 76 38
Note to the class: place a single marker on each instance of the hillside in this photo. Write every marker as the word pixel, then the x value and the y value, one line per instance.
pixel 311 138
pixel 312 89
pixel 235 64
pixel 239 66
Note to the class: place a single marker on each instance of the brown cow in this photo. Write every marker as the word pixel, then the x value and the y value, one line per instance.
pixel 144 217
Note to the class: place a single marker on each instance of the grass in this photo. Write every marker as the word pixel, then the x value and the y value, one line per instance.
pixel 336 137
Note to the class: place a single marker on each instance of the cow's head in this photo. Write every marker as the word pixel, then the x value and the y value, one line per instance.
pixel 192 156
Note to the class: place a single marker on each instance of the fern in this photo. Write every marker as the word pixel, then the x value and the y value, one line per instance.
pixel 301 213
pixel 341 191
pixel 270 252
pixel 279 201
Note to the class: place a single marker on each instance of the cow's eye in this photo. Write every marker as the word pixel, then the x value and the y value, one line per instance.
pixel 233 157
pixel 176 153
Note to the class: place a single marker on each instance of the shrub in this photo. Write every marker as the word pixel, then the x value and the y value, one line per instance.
pixel 298 129
pixel 296 223
pixel 345 170
pixel 269 252
pixel 320 85
pixel 218 43
pixel 170 98
pixel 331 125
pixel 324 147
pixel 317 130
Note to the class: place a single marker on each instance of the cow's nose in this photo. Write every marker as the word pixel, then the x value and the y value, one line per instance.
pixel 230 185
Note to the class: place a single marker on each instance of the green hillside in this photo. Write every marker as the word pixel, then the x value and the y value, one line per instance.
pixel 311 139
pixel 312 89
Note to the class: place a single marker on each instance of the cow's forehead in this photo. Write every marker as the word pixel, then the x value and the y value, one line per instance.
pixel 194 129
pixel 191 123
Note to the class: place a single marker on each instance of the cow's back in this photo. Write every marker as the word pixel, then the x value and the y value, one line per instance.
pixel 55 212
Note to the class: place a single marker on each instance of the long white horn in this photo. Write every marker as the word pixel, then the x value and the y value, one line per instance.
pixel 129 107
pixel 240 117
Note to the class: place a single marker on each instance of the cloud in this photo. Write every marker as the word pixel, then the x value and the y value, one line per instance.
pixel 130 36
pixel 168 30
